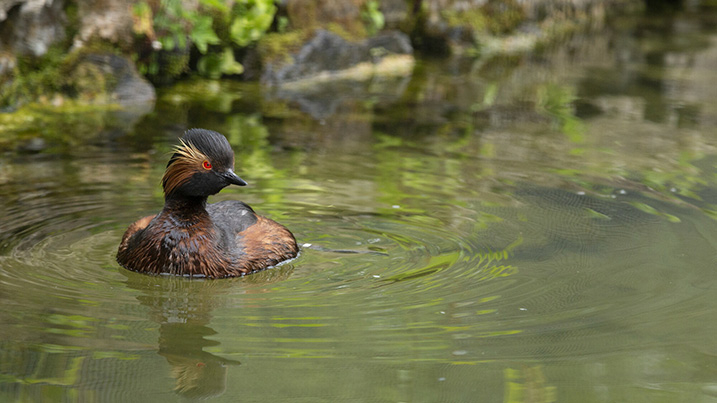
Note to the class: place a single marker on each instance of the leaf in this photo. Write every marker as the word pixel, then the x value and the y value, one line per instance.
pixel 202 34
pixel 229 65
pixel 251 24
pixel 214 65
pixel 167 42
pixel 142 19
pixel 651 210
pixel 215 4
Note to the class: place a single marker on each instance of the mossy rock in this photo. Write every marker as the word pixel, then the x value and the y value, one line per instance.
pixel 493 18
pixel 108 78
pixel 326 52
pixel 312 14
pixel 278 47
pixel 90 75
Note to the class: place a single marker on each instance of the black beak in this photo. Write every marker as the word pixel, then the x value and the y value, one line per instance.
pixel 232 178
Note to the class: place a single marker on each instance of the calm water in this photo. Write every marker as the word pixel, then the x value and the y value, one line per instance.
pixel 535 228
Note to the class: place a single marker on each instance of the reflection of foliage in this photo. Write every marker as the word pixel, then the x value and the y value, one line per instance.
pixel 246 131
pixel 249 138
pixel 528 385
pixel 489 97
pixel 487 265
pixel 487 262
pixel 54 356
pixel 71 125
pixel 683 180
pixel 651 210
pixel 214 96
pixel 557 102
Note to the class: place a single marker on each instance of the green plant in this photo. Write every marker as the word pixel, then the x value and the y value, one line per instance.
pixel 214 65
pixel 215 28
pixel 373 17
pixel 34 77
pixel 250 20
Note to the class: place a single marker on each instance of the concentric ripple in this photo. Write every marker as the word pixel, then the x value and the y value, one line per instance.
pixel 555 276
pixel 550 273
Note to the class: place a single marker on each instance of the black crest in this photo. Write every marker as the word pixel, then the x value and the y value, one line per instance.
pixel 211 144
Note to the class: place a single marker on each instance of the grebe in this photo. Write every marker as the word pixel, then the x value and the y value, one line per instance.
pixel 192 238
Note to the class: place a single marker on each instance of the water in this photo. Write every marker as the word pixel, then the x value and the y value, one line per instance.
pixel 537 228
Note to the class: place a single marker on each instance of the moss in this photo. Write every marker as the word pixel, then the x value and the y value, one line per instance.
pixel 34 77
pixel 89 83
pixel 303 15
pixel 503 16
pixel 86 81
pixel 333 16
pixel 55 74
pixel 495 17
pixel 73 20
pixel 44 77
pixel 356 35
pixel 278 47
pixel 172 65
pixel 474 18
pixel 64 124
pixel 94 45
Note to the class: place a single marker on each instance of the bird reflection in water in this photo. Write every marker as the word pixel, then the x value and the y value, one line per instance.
pixel 183 310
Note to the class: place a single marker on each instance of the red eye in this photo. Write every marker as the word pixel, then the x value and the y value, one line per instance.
pixel 207 165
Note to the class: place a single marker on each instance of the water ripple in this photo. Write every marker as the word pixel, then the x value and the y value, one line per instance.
pixel 534 278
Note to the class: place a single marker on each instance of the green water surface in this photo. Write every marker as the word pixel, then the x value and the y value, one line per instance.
pixel 532 228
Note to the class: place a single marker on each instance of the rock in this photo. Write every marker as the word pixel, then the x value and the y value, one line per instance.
pixel 392 41
pixel 327 52
pixel 398 13
pixel 309 14
pixel 29 27
pixel 109 20
pixel 506 26
pixel 110 78
pixel 328 73
pixel 322 99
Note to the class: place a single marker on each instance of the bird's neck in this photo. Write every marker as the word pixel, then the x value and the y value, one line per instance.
pixel 186 208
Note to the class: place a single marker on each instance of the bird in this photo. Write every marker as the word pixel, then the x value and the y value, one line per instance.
pixel 189 237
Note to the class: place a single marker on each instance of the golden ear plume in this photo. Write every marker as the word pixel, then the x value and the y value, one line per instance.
pixel 189 152
pixel 186 161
